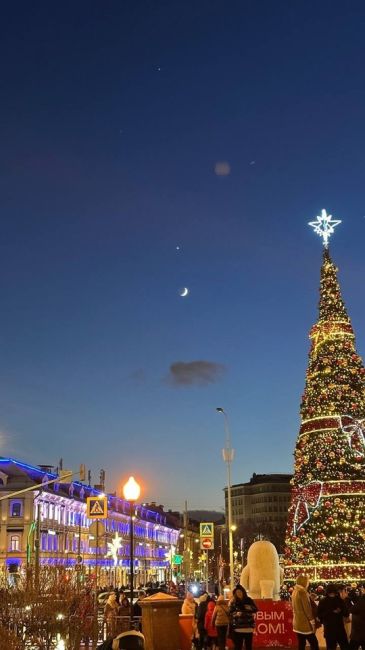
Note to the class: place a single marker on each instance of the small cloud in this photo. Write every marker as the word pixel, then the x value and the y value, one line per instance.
pixel 222 168
pixel 194 373
pixel 137 376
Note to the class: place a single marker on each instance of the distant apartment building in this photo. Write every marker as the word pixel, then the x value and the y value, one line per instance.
pixel 262 503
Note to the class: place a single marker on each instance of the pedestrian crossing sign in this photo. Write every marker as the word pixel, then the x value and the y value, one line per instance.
pixel 97 507
pixel 206 529
pixel 207 535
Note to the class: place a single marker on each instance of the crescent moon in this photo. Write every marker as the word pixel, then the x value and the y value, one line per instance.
pixel 184 292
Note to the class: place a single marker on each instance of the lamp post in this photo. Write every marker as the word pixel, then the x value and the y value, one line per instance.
pixel 228 456
pixel 131 492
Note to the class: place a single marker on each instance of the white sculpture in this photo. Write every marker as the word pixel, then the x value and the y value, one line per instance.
pixel 262 575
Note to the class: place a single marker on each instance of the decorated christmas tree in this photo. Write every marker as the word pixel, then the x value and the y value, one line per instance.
pixel 326 522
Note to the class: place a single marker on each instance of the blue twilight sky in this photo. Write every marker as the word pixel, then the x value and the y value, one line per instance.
pixel 113 116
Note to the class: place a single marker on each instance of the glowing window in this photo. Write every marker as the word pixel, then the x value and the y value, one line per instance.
pixel 15 543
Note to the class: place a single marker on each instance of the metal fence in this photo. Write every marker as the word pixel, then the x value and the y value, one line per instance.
pixel 72 633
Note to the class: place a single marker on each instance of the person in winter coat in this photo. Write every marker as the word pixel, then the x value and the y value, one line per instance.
pixel 202 610
pixel 210 628
pixel 137 609
pixel 357 610
pixel 111 610
pixel 303 618
pixel 189 608
pixel 241 618
pixel 189 605
pixel 331 612
pixel 221 620
pixel 124 614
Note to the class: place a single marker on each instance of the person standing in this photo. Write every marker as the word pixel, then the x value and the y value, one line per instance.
pixel 111 610
pixel 124 614
pixel 241 618
pixel 303 619
pixel 202 610
pixel 189 605
pixel 189 608
pixel 357 610
pixel 220 620
pixel 210 628
pixel 331 613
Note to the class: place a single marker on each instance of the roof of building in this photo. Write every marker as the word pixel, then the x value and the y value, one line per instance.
pixel 265 478
pixel 16 475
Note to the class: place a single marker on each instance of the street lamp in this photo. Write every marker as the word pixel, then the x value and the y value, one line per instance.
pixel 131 492
pixel 228 456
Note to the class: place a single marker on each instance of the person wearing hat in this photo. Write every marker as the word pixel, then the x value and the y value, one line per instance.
pixel 331 613
pixel 303 619
pixel 357 637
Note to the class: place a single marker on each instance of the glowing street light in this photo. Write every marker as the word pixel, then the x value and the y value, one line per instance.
pixel 131 492
pixel 228 456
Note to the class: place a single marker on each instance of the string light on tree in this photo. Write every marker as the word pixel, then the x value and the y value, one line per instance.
pixel 324 226
pixel 326 521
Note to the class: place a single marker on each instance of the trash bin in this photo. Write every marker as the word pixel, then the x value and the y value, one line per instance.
pixel 160 622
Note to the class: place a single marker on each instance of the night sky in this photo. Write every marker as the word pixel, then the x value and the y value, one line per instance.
pixel 113 117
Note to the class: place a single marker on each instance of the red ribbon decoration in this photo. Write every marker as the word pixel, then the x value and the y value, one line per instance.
pixel 306 498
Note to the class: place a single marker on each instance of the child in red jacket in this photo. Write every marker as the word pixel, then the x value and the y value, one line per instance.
pixel 210 628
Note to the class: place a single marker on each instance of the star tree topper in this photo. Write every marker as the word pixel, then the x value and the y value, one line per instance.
pixel 324 226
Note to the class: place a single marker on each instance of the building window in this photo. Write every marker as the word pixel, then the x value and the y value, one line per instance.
pixel 16 509
pixel 15 543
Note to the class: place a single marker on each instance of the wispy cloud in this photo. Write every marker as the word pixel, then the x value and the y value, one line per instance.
pixel 138 376
pixel 194 373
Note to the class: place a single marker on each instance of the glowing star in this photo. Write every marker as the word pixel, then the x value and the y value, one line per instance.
pixel 184 292
pixel 113 548
pixel 324 226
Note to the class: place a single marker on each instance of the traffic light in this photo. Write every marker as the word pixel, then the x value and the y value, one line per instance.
pixel 82 472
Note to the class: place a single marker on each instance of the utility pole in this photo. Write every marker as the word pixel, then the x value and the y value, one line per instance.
pixel 228 456
pixel 186 554
pixel 37 542
pixel 79 558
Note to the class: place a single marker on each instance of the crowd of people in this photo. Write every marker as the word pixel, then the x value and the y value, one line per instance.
pixel 341 611
pixel 338 608
pixel 117 611
pixel 214 619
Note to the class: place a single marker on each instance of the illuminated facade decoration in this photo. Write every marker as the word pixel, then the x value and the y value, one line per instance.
pixel 113 548
pixel 326 523
pixel 58 512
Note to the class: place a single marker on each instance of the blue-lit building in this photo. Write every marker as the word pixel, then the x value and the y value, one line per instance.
pixel 53 518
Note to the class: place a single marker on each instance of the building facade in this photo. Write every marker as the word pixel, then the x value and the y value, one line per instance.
pixel 48 525
pixel 261 505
